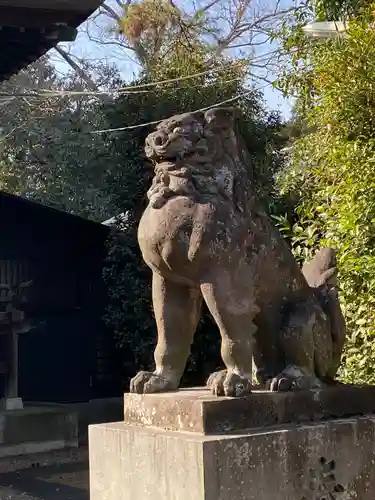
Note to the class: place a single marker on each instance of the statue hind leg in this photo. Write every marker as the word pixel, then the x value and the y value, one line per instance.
pixel 306 344
pixel 338 331
pixel 177 311
pixel 314 333
pixel 233 314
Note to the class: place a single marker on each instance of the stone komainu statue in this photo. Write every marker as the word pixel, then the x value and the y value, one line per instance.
pixel 205 237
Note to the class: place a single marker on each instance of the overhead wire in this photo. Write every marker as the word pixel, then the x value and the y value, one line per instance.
pixel 136 89
pixel 155 122
pixel 129 89
pixel 52 94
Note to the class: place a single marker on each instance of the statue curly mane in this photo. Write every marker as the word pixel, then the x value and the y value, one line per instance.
pixel 196 155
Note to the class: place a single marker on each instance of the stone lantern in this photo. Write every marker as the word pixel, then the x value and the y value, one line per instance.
pixel 13 322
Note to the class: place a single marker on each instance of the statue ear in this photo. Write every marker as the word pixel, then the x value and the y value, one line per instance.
pixel 220 117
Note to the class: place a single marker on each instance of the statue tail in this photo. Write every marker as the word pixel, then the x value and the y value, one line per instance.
pixel 321 270
pixel 321 274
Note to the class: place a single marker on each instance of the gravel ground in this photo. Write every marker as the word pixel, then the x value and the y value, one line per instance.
pixel 61 475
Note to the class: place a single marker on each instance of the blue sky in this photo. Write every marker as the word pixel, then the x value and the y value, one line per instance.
pixel 83 47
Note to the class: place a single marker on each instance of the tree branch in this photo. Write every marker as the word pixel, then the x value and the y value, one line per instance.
pixel 77 68
pixel 111 12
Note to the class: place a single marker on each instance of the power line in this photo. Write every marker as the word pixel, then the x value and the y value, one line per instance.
pixel 63 93
pixel 123 90
pixel 201 110
pixel 66 93
pixel 131 89
pixel 160 82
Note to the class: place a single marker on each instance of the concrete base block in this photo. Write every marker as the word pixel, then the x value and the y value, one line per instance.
pixel 35 430
pixel 190 445
pixel 328 460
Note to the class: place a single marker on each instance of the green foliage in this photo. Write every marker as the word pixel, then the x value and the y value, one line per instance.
pixel 331 177
pixel 129 312
pixel 334 10
pixel 47 150
pixel 150 27
pixel 302 235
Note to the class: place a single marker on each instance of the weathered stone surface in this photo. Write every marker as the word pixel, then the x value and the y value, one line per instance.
pixel 324 461
pixel 197 410
pixel 206 238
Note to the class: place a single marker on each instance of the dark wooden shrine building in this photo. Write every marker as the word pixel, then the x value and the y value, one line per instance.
pixel 64 357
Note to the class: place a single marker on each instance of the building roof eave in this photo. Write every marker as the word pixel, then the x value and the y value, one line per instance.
pixel 32 27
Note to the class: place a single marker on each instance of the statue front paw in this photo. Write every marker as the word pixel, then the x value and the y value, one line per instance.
pixel 293 378
pixel 227 383
pixel 151 382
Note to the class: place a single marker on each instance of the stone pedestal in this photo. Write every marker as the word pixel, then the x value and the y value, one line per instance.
pixel 190 445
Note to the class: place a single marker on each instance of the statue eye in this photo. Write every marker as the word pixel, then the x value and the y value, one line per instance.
pixel 158 140
pixel 177 130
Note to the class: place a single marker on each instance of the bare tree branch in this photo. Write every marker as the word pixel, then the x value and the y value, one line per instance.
pixel 77 68
pixel 111 12
pixel 241 28
pixel 258 24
